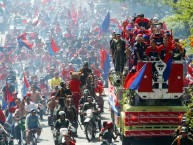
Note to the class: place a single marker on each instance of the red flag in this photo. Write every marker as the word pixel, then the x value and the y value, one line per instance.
pixel 190 71
pixel 8 95
pixel 175 81
pixel 146 82
pixel 54 46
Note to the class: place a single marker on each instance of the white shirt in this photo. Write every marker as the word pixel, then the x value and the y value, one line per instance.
pixel 40 74
pixel 31 106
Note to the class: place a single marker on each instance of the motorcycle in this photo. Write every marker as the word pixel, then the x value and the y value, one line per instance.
pixel 6 139
pixel 58 135
pixel 90 128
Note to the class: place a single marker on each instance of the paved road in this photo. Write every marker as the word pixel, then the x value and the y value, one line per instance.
pixel 47 139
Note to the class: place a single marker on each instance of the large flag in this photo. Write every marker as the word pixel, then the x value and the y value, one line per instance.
pixel 53 48
pixel 105 63
pixel 104 27
pixel 175 80
pixel 22 41
pixel 8 98
pixel 25 86
pixel 133 81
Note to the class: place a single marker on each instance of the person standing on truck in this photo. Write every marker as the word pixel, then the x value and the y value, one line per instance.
pixel 183 139
pixel 119 54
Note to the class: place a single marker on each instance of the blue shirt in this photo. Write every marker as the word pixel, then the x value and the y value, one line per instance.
pixel 32 122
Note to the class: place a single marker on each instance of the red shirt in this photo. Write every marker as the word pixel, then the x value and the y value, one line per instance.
pixel 150 49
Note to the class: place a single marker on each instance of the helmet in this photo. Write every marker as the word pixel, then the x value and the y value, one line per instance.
pixel 86 91
pixel 62 83
pixel 184 129
pixel 89 97
pixel 62 113
pixel 183 121
pixel 33 110
pixel 109 125
pixel 41 79
pixel 85 63
pixel 56 73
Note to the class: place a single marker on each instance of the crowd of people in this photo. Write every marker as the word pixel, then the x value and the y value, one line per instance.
pixel 45 74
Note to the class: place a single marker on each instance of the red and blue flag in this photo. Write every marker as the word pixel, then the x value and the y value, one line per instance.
pixel 133 80
pixel 22 41
pixel 8 98
pixel 105 63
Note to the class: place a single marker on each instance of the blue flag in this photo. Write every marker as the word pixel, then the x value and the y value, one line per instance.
pixel 104 27
pixel 166 72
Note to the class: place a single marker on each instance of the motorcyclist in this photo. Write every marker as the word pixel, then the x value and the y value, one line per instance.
pixel 62 93
pixel 56 80
pixel 177 132
pixel 71 113
pixel 32 122
pixel 183 139
pixel 85 71
pixel 91 105
pixel 62 122
pixel 82 101
pixel 108 134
